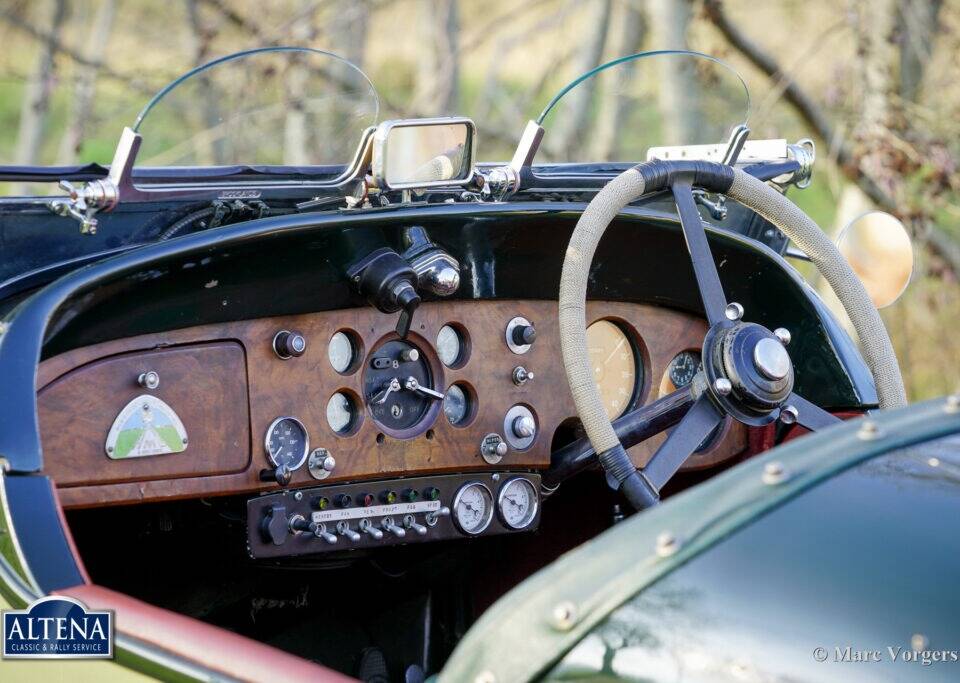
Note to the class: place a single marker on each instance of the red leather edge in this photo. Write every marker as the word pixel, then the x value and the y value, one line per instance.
pixel 211 647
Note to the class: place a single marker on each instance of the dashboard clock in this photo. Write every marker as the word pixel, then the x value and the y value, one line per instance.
pixel 473 508
pixel 287 443
pixel 517 503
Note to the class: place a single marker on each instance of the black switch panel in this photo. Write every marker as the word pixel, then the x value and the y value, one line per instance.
pixel 343 517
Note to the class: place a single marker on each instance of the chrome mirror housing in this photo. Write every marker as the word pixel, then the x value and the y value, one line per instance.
pixel 419 153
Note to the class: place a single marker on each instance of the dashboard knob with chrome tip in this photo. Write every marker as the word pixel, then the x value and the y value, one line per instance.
pixel 410 522
pixel 320 531
pixel 388 525
pixel 524 335
pixel 524 427
pixel 409 355
pixel 344 530
pixel 281 475
pixel 287 344
pixel 370 530
pixel 149 379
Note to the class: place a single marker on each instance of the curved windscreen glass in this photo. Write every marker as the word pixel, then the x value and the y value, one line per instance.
pixel 271 106
pixel 621 109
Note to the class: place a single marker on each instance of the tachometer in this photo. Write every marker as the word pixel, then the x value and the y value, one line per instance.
pixel 473 508
pixel 287 442
pixel 517 503
pixel 615 366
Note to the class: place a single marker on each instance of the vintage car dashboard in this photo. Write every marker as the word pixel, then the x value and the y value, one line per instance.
pixel 345 433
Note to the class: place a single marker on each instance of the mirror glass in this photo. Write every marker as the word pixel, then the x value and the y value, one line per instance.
pixel 878 248
pixel 424 154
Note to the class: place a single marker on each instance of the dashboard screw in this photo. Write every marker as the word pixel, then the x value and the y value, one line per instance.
pixel 789 415
pixel 774 473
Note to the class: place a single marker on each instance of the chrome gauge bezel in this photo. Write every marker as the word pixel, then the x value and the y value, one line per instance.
pixel 306 442
pixel 534 508
pixel 456 503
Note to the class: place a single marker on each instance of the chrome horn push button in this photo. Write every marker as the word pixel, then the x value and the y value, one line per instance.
pixel 771 359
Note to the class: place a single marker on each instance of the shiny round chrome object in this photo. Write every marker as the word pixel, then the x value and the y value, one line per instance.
pixel 449 345
pixel 517 503
pixel 456 404
pixel 473 508
pixel 771 359
pixel 341 352
pixel 287 443
pixel 520 427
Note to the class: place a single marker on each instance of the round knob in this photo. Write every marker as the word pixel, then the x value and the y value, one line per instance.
pixel 288 344
pixel 329 463
pixel 524 335
pixel 524 427
pixel 149 379
pixel 410 355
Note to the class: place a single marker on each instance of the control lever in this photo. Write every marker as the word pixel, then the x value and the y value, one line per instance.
pixel 372 531
pixel 413 385
pixel 392 386
pixel 343 528
pixel 410 522
pixel 388 524
pixel 389 284
pixel 320 531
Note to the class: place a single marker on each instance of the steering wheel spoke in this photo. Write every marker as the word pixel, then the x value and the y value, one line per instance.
pixel 808 414
pixel 702 418
pixel 704 268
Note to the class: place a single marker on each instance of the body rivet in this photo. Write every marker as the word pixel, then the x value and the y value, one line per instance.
pixel 564 616
pixel 774 473
pixel 667 544
pixel 783 334
pixel 868 430
pixel 953 404
pixel 485 677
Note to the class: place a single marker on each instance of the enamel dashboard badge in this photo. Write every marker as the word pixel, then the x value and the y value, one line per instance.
pixel 146 426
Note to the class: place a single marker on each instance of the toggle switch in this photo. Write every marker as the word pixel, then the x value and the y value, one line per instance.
pixel 388 524
pixel 343 528
pixel 410 522
pixel 372 531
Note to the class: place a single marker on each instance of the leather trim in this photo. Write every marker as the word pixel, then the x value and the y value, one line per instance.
pixel 213 648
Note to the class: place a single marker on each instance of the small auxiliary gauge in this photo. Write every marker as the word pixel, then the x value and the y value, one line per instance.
pixel 473 508
pixel 287 443
pixel 517 503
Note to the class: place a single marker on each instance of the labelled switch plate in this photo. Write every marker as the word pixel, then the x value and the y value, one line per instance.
pixel 264 540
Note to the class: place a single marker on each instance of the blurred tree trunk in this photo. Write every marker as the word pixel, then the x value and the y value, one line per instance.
pixel 85 83
pixel 438 72
pixel 569 125
pixel 678 92
pixel 347 29
pixel 36 100
pixel 615 92
pixel 918 30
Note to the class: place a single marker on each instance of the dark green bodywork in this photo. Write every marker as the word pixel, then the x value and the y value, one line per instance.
pixel 856 547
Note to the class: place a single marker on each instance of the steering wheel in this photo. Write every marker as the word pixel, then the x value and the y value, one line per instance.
pixel 747 373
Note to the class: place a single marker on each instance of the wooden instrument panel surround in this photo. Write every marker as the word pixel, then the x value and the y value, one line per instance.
pixel 227 385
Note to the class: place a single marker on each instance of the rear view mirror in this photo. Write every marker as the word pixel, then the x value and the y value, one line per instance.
pixel 878 248
pixel 418 153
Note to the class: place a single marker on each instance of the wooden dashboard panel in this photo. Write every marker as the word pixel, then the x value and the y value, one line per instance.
pixel 302 386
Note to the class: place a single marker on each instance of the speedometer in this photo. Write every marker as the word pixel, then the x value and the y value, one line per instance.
pixel 517 503
pixel 615 366
pixel 287 443
pixel 473 508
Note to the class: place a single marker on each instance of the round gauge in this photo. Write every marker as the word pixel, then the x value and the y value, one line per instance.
pixel 287 442
pixel 684 367
pixel 449 345
pixel 615 366
pixel 341 413
pixel 341 351
pixel 473 508
pixel 455 404
pixel 517 503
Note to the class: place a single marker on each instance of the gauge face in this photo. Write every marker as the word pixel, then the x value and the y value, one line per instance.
pixel 473 508
pixel 287 442
pixel 449 345
pixel 341 352
pixel 341 413
pixel 398 389
pixel 455 405
pixel 683 367
pixel 614 366
pixel 518 503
